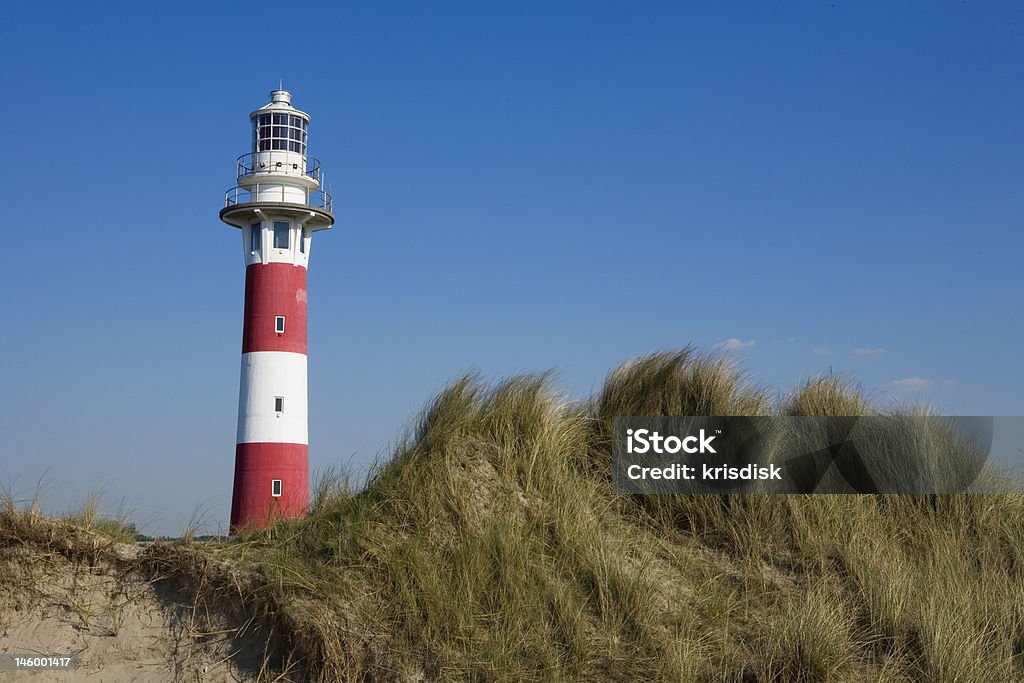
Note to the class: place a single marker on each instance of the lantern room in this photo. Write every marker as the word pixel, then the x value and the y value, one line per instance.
pixel 277 180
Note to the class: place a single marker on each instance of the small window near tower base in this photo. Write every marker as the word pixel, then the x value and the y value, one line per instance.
pixel 279 404
pixel 275 488
pixel 279 324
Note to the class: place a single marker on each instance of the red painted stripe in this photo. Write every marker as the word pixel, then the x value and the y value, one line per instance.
pixel 256 466
pixel 271 290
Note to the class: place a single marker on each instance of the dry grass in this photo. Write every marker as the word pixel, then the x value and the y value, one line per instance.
pixel 490 547
pixel 827 396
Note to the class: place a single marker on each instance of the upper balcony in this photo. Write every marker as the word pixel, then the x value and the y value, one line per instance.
pixel 278 162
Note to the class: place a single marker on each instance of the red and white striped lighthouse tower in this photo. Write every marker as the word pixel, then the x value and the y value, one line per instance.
pixel 278 204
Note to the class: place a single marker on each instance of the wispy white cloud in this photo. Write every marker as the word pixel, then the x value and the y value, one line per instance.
pixel 821 350
pixel 908 384
pixel 733 344
pixel 862 351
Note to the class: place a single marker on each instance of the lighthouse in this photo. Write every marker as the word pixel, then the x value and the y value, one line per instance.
pixel 279 202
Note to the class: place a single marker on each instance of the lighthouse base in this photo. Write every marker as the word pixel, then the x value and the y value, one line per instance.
pixel 271 481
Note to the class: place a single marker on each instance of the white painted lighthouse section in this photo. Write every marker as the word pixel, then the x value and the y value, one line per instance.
pixel 273 379
pixel 262 248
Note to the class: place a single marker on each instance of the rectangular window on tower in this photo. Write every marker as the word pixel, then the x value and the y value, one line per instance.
pixel 279 324
pixel 275 488
pixel 255 237
pixel 281 229
pixel 302 241
pixel 279 404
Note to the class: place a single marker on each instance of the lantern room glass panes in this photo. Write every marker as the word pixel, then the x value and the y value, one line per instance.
pixel 284 132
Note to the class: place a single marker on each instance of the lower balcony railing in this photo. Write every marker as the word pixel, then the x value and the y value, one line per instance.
pixel 254 194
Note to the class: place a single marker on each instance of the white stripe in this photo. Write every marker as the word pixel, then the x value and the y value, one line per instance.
pixel 265 376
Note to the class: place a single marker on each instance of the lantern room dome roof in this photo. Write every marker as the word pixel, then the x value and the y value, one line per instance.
pixel 280 101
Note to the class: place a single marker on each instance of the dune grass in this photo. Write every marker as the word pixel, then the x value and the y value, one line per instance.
pixel 490 547
pixel 23 522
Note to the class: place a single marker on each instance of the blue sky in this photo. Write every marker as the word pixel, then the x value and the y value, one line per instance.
pixel 523 186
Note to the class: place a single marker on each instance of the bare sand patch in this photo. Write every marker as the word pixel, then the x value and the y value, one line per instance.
pixel 125 625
